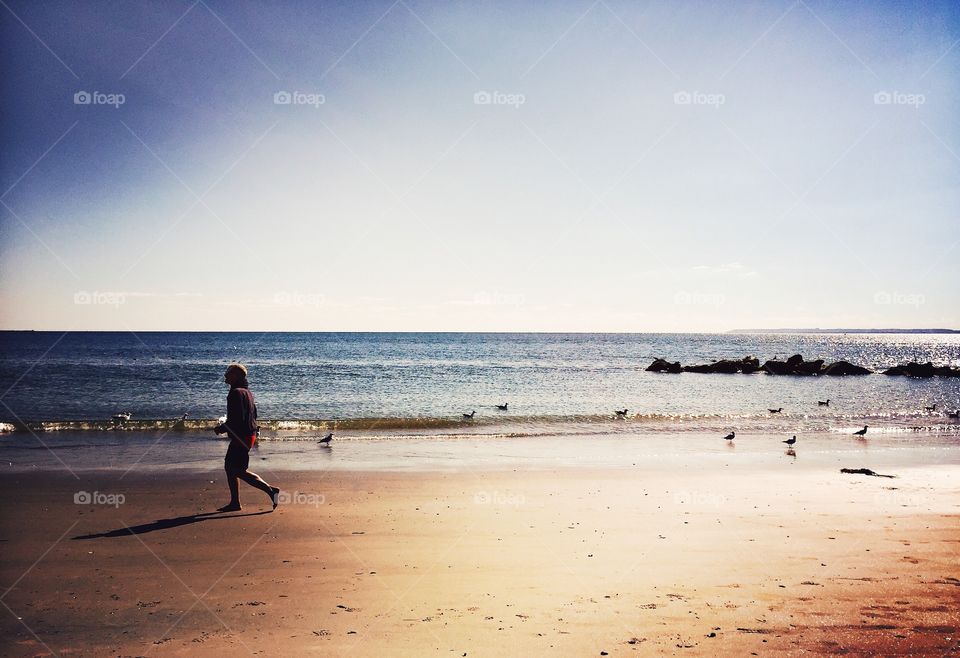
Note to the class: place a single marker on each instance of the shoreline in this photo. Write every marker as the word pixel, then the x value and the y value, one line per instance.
pixel 660 451
pixel 486 562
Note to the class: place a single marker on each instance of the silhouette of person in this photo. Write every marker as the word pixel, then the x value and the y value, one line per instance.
pixel 241 426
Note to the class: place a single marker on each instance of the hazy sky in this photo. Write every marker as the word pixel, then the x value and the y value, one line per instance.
pixel 569 166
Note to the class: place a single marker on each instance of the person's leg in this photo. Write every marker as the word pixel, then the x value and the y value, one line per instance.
pixel 255 480
pixel 234 503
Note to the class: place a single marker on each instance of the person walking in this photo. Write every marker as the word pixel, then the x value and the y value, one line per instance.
pixel 241 428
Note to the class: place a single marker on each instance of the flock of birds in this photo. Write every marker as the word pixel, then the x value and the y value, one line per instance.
pixel 861 433
pixel 500 407
pixel 622 413
pixel 125 416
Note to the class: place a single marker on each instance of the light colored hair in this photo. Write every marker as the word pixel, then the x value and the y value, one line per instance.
pixel 236 371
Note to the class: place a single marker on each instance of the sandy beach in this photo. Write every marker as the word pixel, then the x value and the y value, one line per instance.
pixel 485 563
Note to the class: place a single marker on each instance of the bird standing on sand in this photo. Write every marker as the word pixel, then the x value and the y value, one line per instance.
pixel 933 408
pixel 620 413
pixel 791 440
pixel 775 411
pixel 824 404
pixel 503 407
pixel 469 416
pixel 862 432
pixel 327 439
pixel 731 436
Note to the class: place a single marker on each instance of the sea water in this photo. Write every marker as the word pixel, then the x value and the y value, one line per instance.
pixel 62 389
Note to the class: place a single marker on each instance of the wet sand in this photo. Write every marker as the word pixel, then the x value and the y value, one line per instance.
pixel 485 563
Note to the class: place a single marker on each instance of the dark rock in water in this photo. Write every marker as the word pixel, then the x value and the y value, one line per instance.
pixel 794 361
pixel 662 365
pixel 746 365
pixel 924 370
pixel 795 365
pixel 776 367
pixel 750 364
pixel 809 367
pixel 843 368
pixel 912 369
pixel 726 367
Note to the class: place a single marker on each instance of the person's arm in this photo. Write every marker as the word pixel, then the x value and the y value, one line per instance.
pixel 234 412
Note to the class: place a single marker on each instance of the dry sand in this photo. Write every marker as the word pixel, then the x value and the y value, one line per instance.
pixel 570 562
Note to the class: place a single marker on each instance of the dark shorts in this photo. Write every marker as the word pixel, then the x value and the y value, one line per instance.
pixel 237 458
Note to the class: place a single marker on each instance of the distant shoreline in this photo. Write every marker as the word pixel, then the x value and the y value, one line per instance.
pixel 843 331
pixel 543 333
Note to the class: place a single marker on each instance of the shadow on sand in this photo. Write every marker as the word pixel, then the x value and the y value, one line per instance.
pixel 166 524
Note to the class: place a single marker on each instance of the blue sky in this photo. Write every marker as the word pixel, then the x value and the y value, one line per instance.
pixel 581 166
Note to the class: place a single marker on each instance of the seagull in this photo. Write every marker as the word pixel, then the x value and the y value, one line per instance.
pixel 775 411
pixel 620 413
pixel 862 432
pixel 791 440
pixel 327 439
pixel 122 416
pixel 469 416
pixel 824 404
pixel 503 407
pixel 933 408
pixel 731 436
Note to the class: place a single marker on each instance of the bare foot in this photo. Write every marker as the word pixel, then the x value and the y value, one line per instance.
pixel 230 507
